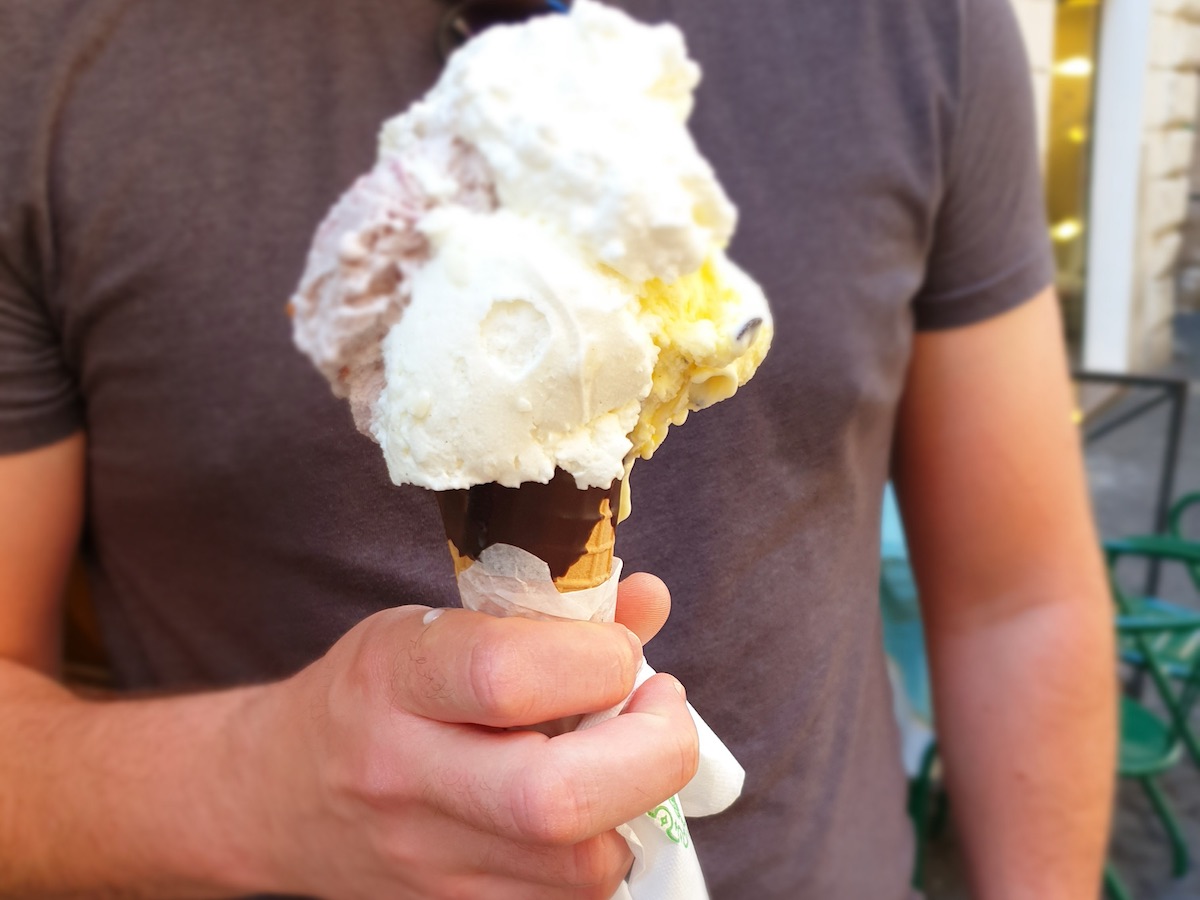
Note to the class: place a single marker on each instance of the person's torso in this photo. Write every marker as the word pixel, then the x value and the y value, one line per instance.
pixel 237 522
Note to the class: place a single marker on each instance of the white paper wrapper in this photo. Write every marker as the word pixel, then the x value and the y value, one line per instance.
pixel 509 581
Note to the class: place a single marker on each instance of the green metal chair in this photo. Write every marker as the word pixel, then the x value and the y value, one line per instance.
pixel 1149 745
pixel 1161 641
pixel 1165 644
pixel 1175 524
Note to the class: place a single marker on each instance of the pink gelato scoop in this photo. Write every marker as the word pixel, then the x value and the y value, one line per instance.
pixel 357 280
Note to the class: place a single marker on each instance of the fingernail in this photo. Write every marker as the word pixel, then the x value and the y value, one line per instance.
pixel 430 617
pixel 678 685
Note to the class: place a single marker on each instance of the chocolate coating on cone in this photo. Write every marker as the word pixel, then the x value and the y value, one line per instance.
pixel 553 521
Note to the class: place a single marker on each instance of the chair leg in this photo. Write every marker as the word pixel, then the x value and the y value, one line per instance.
pixel 940 814
pixel 1186 734
pixel 1178 712
pixel 1179 851
pixel 1179 707
pixel 1114 887
pixel 918 810
pixel 1192 744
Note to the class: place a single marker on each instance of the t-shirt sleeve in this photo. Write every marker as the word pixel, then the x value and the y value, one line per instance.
pixel 990 249
pixel 39 402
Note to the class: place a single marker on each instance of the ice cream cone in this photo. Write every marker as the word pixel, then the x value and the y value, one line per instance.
pixel 573 531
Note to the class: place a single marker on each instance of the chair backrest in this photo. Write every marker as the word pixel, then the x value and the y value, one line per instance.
pixel 1145 638
pixel 1177 522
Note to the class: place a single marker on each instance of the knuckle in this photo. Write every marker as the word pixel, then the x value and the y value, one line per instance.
pixel 599 892
pixel 364 761
pixel 356 763
pixel 348 720
pixel 593 864
pixel 366 771
pixel 383 667
pixel 459 888
pixel 678 750
pixel 614 677
pixel 395 847
pixel 366 662
pixel 497 675
pixel 546 809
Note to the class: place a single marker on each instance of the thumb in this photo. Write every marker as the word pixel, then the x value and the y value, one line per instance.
pixel 643 603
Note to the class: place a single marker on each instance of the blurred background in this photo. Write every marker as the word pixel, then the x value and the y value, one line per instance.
pixel 1117 89
pixel 1115 82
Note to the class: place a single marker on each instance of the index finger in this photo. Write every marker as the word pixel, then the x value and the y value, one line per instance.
pixel 460 666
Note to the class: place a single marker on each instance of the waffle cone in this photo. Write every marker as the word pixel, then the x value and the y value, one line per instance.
pixel 592 569
pixel 572 530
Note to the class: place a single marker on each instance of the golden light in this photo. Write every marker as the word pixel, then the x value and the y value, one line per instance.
pixel 1074 67
pixel 1076 134
pixel 1066 230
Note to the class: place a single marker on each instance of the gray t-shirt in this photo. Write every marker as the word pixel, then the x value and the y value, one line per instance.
pixel 162 168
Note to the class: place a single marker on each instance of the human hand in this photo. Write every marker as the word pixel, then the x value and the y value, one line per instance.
pixel 388 771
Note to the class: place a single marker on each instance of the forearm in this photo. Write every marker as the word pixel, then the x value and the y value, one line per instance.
pixel 1026 713
pixel 145 798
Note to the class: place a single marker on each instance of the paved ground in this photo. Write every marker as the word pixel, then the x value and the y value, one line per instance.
pixel 1123 471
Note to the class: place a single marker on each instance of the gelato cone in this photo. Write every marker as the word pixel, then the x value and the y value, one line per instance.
pixel 572 530
pixel 519 299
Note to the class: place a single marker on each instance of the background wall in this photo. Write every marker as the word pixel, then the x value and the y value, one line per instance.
pixel 1169 135
pixel 1060 38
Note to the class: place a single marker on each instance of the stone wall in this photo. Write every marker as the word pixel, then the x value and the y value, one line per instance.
pixel 1169 123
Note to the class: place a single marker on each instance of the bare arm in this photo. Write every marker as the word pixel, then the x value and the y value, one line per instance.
pixel 353 778
pixel 1018 619
pixel 74 776
pixel 41 499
